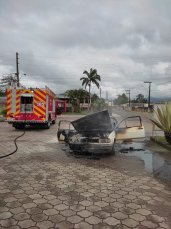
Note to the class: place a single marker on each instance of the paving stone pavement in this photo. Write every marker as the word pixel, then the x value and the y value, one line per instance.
pixel 41 187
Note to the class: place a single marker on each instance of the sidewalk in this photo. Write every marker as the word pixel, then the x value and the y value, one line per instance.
pixel 2 119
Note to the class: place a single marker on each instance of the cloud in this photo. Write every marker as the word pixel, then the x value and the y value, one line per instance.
pixel 128 42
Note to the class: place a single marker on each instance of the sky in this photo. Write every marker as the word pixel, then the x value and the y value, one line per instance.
pixel 127 42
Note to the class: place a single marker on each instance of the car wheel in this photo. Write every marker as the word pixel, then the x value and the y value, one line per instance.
pixel 112 152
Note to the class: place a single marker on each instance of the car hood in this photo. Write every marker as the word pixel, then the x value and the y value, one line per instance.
pixel 99 121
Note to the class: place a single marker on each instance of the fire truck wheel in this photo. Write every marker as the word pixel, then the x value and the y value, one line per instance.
pixel 47 126
pixel 20 126
pixel 54 121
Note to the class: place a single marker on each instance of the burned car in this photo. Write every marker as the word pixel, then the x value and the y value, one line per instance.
pixel 98 132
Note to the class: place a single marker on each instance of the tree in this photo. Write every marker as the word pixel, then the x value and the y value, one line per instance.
pixel 99 104
pixel 2 93
pixel 85 95
pixel 121 99
pixel 95 97
pixel 81 94
pixel 139 99
pixel 70 94
pixel 92 77
pixel 77 95
pixel 8 80
pixel 4 111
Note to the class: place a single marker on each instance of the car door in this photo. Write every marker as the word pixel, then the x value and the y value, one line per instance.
pixel 130 129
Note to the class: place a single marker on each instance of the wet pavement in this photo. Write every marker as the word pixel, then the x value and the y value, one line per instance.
pixel 42 187
pixel 154 163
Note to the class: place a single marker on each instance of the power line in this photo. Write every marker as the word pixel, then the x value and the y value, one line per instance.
pixel 95 63
pixel 128 66
pixel 7 59
pixel 7 55
pixel 131 57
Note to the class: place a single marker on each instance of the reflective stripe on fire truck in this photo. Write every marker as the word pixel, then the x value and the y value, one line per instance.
pixel 40 103
pixel 9 101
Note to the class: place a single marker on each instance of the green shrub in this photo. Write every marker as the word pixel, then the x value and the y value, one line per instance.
pixel 164 120
pixel 3 111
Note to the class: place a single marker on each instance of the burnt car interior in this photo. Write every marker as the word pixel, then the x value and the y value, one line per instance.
pixel 65 131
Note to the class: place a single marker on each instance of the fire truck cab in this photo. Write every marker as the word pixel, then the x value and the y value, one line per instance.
pixel 33 106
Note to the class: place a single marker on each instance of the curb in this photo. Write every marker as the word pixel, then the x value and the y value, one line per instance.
pixel 74 116
pixel 2 120
pixel 161 143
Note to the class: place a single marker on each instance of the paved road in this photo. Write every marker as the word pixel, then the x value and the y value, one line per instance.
pixel 41 187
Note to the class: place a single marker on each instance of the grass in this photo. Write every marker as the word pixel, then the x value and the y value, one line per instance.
pixel 161 139
pixel 75 113
pixel 145 112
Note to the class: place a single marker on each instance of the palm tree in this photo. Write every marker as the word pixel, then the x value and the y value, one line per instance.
pixel 82 94
pixel 77 95
pixel 70 94
pixel 92 77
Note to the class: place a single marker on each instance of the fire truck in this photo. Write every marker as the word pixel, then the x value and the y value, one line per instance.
pixel 32 106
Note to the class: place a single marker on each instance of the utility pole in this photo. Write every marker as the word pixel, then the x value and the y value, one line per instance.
pixel 17 70
pixel 128 92
pixel 107 96
pixel 100 100
pixel 149 94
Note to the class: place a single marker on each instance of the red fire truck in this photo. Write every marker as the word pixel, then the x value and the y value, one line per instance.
pixel 32 106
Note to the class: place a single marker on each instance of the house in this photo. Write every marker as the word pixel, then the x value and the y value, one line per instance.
pixel 141 106
pixel 69 106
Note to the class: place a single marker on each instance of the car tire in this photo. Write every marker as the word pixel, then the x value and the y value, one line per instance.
pixel 112 152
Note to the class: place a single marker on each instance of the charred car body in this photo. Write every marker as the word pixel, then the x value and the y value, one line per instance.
pixel 98 132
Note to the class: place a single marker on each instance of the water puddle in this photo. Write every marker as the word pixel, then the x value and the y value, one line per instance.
pixel 154 163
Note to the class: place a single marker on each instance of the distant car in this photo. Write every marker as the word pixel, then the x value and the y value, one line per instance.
pixel 98 132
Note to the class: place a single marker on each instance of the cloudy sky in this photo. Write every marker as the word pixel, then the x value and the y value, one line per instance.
pixel 127 41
